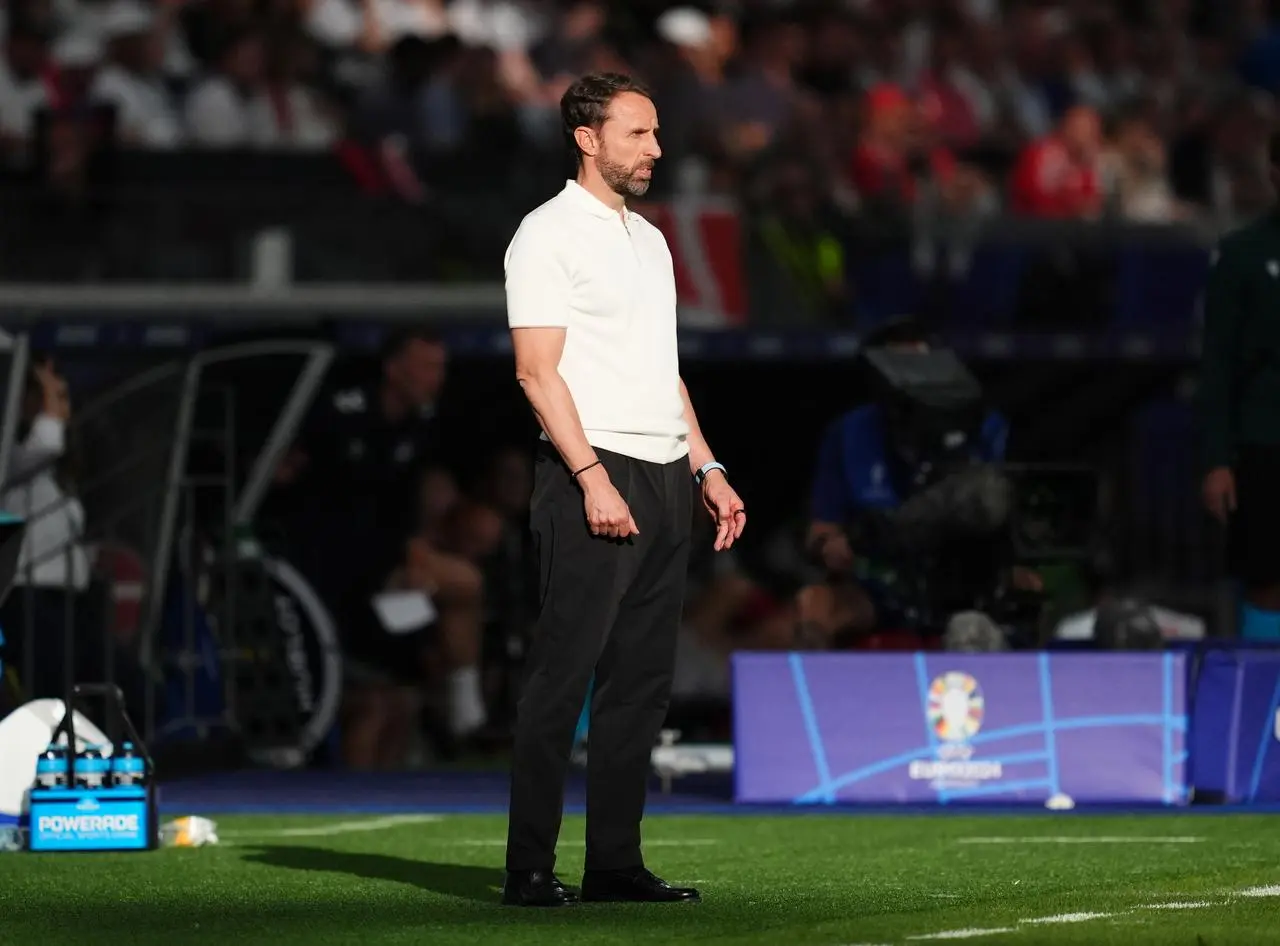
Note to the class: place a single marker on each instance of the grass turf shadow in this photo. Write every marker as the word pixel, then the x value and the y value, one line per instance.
pixel 460 881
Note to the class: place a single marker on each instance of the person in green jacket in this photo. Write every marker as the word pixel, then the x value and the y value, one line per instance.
pixel 1240 395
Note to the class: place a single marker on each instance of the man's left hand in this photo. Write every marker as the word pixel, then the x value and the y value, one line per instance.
pixel 726 509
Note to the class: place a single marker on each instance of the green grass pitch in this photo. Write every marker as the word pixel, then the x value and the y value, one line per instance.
pixel 782 881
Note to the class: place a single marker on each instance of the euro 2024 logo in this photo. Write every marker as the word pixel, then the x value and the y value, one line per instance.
pixel 956 706
pixel 955 712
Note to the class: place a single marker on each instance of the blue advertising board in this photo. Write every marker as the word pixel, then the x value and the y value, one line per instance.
pixel 1025 728
pixel 1235 725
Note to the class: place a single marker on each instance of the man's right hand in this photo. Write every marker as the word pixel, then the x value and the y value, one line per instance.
pixel 1220 493
pixel 607 513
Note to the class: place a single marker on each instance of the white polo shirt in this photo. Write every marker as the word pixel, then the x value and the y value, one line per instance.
pixel 607 279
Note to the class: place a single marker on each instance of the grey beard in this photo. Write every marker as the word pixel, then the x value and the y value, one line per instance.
pixel 620 179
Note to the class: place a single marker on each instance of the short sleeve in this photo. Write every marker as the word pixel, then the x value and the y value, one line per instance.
pixel 537 282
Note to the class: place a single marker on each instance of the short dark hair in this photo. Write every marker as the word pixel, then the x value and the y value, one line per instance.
pixel 1273 150
pixel 586 102
pixel 401 339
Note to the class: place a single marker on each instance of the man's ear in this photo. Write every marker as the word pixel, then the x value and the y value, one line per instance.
pixel 586 140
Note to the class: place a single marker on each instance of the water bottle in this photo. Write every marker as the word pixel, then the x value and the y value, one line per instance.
pixel 91 768
pixel 51 767
pixel 12 838
pixel 127 767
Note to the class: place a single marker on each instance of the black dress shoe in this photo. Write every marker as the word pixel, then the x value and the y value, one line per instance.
pixel 635 885
pixel 536 888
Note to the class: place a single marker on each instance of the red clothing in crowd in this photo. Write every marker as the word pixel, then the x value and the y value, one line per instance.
pixel 879 172
pixel 949 113
pixel 1048 183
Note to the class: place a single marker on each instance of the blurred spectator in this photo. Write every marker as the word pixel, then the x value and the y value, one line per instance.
pixel 132 78
pixel 892 162
pixel 1057 176
pixel 208 24
pixel 762 99
pixel 374 26
pixel 1134 175
pixel 725 611
pixel 418 101
pixel 946 106
pixel 351 492
pixel 291 114
pixel 510 569
pixel 25 84
pixel 689 91
pixel 77 57
pixel 221 109
pixel 858 471
pixel 795 249
pixel 55 618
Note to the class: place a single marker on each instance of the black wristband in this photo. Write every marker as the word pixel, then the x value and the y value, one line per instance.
pixel 585 468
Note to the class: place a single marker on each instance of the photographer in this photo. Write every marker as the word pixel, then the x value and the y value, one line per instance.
pixel 870 463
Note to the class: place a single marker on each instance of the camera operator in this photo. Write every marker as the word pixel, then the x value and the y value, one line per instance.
pixel 866 470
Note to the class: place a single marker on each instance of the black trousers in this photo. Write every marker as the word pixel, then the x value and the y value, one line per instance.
pixel 609 608
pixel 1253 532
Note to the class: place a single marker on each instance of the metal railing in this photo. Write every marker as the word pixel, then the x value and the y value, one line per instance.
pixel 168 477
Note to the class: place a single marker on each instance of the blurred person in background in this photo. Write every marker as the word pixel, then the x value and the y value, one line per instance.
pixel 795 257
pixel 511 600
pixel 351 491
pixel 132 78
pixel 1239 393
pixel 373 26
pixel 889 166
pixel 725 611
pixel 909 184
pixel 762 97
pixel 947 108
pixel 55 602
pixel 1134 174
pixel 691 83
pixel 220 110
pixel 25 84
pixel 291 114
pixel 857 470
pixel 77 56
pixel 1057 177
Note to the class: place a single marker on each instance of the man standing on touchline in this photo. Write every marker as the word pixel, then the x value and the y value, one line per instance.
pixel 591 301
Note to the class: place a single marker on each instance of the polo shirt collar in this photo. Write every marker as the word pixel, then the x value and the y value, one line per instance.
pixel 590 203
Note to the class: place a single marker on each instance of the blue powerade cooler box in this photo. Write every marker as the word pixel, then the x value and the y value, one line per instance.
pixel 105 819
pixel 101 816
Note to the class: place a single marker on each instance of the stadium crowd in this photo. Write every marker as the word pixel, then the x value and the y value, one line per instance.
pixel 1149 109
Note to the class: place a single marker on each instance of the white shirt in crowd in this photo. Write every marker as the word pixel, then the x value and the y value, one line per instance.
pixel 607 279
pixel 144 112
pixel 19 101
pixel 338 24
pixel 52 554
pixel 218 115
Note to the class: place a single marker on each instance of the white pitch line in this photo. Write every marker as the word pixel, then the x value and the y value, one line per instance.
pixel 965 934
pixel 1188 905
pixel 1273 890
pixel 1081 839
pixel 339 827
pixel 1067 918
pixel 500 842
